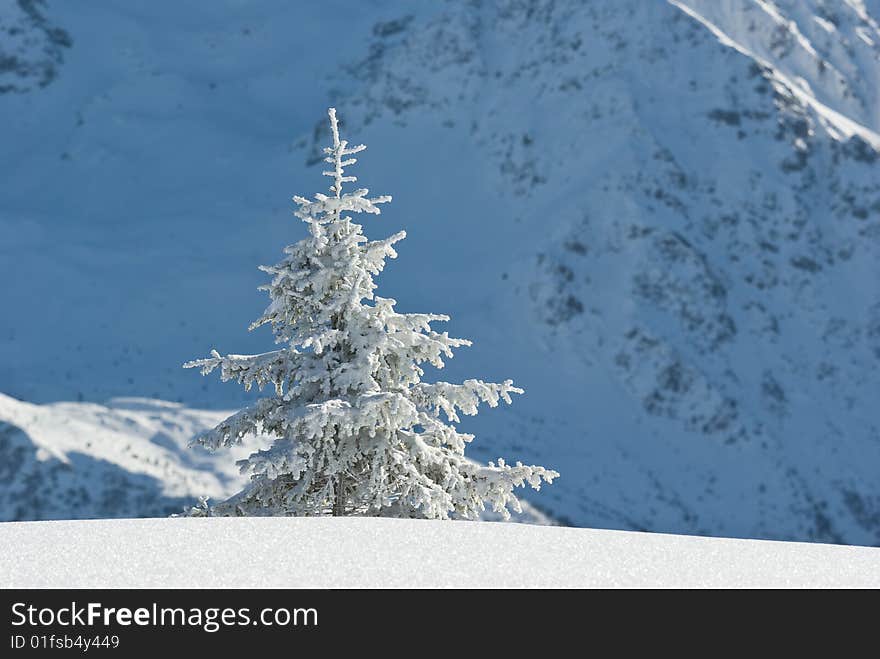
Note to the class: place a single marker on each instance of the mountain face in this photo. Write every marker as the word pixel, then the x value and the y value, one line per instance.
pixel 661 219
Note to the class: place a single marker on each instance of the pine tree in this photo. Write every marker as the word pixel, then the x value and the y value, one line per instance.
pixel 356 431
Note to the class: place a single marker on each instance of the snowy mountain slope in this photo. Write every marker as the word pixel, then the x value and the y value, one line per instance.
pixel 126 459
pixel 661 219
pixel 356 553
pixel 827 53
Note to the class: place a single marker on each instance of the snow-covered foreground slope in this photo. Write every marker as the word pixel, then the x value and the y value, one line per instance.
pixel 126 458
pixel 358 552
pixel 661 219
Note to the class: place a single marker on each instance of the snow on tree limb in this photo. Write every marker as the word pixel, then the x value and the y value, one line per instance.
pixel 324 208
pixel 269 367
pixel 464 397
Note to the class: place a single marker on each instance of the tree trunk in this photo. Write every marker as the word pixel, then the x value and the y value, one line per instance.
pixel 339 504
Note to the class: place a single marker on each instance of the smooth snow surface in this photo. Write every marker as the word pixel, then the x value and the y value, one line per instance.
pixel 360 552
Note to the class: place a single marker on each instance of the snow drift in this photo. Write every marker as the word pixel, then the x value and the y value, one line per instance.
pixel 390 553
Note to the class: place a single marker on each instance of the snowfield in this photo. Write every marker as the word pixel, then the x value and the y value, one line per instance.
pixel 370 553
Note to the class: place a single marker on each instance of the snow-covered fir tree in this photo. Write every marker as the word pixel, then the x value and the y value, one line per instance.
pixel 356 430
